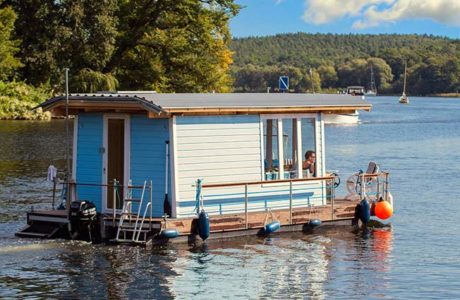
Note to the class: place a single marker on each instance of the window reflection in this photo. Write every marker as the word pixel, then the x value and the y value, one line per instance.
pixel 290 156
pixel 309 165
pixel 271 159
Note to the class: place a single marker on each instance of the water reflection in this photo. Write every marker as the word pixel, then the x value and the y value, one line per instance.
pixel 293 265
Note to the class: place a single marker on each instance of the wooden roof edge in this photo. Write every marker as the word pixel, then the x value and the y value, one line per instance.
pixel 333 109
pixel 105 102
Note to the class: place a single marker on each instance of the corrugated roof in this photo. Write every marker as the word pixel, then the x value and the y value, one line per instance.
pixel 252 100
pixel 210 102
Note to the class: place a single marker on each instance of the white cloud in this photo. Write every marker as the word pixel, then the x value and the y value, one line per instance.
pixel 371 13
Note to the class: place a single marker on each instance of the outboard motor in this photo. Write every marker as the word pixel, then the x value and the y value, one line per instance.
pixel 82 218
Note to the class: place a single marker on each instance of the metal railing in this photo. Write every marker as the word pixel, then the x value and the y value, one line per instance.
pixel 72 194
pixel 329 183
pixel 381 180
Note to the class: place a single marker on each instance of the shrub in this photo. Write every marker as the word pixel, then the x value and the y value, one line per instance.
pixel 17 99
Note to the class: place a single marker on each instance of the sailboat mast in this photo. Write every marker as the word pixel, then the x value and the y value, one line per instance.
pixel 405 70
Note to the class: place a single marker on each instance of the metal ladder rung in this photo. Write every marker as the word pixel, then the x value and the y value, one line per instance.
pixel 133 200
pixel 135 230
pixel 137 227
pixel 127 214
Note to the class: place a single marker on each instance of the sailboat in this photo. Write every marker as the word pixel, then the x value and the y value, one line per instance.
pixel 373 90
pixel 404 99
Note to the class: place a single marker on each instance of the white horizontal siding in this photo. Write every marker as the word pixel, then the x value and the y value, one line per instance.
pixel 218 149
pixel 224 149
pixel 214 132
pixel 214 153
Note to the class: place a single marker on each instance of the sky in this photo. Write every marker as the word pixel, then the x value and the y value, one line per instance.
pixel 269 17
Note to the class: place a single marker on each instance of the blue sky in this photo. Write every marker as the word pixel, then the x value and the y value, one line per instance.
pixel 269 17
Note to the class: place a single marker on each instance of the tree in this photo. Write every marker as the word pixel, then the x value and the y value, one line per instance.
pixel 382 73
pixel 8 47
pixel 167 45
pixel 435 75
pixel 328 76
pixel 353 72
pixel 186 41
pixel 36 27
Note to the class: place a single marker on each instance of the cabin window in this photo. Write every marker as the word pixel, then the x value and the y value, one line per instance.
pixel 271 159
pixel 308 147
pixel 287 141
pixel 290 151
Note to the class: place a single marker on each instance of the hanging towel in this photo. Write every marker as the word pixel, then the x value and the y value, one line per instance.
pixel 52 173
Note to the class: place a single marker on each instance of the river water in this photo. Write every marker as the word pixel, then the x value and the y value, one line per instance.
pixel 418 258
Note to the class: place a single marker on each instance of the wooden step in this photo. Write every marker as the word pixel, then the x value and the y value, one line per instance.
pixel 37 231
pixel 32 234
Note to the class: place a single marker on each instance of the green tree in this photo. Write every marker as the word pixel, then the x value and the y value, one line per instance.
pixel 382 73
pixel 435 75
pixel 353 72
pixel 88 35
pixel 8 47
pixel 167 45
pixel 328 76
pixel 185 42
pixel 36 27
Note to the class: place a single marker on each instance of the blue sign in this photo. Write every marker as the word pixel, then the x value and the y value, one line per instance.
pixel 283 83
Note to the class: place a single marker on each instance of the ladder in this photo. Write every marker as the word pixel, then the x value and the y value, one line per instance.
pixel 130 225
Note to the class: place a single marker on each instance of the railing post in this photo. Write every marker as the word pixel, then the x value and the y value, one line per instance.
pixel 151 204
pixel 290 202
pixel 114 202
pixel 246 219
pixel 332 198
pixel 386 186
pixel 54 191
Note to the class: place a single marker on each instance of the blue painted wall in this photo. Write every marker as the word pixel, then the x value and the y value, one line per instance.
pixel 89 158
pixel 148 137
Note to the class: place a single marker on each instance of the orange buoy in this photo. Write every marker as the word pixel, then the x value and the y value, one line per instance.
pixel 383 210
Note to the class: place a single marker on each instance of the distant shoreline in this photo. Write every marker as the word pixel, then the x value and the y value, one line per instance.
pixel 447 95
pixel 440 95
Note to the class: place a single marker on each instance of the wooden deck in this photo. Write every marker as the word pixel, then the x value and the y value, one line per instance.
pixel 231 225
pixel 341 210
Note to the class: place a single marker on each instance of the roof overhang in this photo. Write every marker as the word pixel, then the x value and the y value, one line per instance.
pixel 137 104
pixel 98 103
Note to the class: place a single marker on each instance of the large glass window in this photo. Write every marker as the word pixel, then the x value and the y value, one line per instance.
pixel 271 159
pixel 291 155
pixel 309 165
pixel 290 148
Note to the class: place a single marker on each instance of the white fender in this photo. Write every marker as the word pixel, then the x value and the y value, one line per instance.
pixel 390 200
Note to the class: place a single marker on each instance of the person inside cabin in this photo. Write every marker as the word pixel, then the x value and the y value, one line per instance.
pixel 309 164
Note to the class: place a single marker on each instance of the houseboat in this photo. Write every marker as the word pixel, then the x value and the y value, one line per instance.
pixel 160 167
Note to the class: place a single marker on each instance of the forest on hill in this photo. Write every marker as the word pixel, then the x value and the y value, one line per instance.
pixel 331 62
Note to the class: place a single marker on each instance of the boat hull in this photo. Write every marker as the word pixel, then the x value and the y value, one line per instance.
pixel 404 100
pixel 342 119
